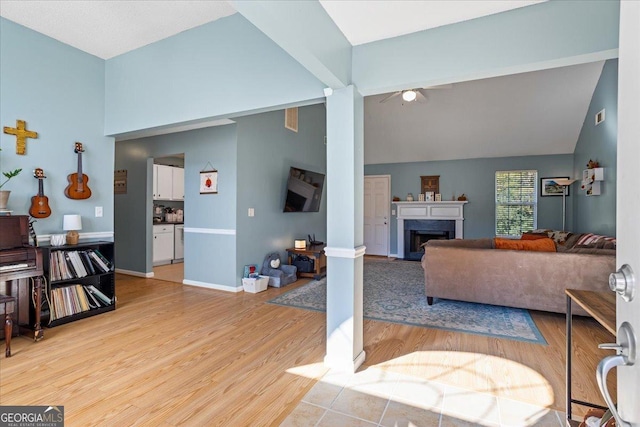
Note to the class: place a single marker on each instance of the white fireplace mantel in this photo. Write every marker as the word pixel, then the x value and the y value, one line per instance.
pixel 440 211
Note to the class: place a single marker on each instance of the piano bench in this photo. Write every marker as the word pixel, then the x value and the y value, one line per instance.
pixel 7 307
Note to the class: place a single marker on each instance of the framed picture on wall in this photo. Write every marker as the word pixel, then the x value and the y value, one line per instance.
pixel 209 182
pixel 549 187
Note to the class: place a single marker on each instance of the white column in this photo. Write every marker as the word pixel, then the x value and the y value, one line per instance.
pixel 345 229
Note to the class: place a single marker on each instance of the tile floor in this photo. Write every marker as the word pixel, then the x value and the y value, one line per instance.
pixel 375 397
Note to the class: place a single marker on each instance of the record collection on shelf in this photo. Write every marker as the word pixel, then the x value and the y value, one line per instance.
pixel 81 280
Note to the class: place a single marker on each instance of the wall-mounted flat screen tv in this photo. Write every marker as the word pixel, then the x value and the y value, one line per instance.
pixel 304 191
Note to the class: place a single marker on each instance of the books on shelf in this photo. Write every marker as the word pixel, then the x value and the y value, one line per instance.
pixel 74 299
pixel 67 265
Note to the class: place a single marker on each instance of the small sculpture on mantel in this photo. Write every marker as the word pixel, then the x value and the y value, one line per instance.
pixel 593 164
pixel 462 198
pixel 409 197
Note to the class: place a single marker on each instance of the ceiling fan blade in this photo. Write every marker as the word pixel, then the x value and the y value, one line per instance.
pixel 388 97
pixel 421 97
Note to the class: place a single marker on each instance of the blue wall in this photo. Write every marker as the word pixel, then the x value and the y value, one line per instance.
pixel 545 35
pixel 214 70
pixel 59 91
pixel 253 159
pixel 476 179
pixel 133 220
pixel 597 214
pixel 266 151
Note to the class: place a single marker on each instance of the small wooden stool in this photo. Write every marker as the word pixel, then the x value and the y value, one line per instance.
pixel 7 307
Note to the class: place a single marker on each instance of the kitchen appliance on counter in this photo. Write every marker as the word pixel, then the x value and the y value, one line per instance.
pixel 158 213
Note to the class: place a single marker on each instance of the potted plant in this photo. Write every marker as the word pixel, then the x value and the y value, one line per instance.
pixel 4 194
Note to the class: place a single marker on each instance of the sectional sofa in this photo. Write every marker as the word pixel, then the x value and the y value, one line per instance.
pixel 474 270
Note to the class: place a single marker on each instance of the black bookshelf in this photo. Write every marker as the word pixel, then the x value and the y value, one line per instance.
pixel 102 281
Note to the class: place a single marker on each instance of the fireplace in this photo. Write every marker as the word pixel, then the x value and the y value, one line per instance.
pixel 419 231
pixel 427 220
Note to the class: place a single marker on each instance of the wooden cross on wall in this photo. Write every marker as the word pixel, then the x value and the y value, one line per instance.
pixel 21 133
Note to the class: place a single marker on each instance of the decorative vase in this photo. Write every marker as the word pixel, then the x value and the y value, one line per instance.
pixel 4 198
pixel 409 197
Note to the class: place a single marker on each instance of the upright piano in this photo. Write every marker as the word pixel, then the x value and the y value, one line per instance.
pixel 21 265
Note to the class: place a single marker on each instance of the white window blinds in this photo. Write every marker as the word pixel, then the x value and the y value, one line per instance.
pixel 516 202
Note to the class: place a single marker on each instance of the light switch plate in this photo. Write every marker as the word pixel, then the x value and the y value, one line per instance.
pixel 98 211
pixel 251 212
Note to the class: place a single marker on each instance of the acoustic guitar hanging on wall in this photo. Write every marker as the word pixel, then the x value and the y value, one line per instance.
pixel 40 203
pixel 78 188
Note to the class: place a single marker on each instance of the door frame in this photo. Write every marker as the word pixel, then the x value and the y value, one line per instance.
pixel 388 208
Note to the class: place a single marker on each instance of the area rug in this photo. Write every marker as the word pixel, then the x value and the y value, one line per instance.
pixel 394 292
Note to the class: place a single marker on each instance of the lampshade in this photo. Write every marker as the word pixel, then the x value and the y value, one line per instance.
pixel 300 244
pixel 409 95
pixel 72 222
pixel 564 181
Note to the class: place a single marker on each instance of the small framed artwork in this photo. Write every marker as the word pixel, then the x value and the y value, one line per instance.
pixel 549 187
pixel 428 196
pixel 438 197
pixel 209 182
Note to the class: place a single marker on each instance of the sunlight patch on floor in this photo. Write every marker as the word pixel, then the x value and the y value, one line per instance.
pixel 429 388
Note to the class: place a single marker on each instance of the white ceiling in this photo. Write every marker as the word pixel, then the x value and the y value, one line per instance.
pixel 109 28
pixel 524 114
pixel 367 21
pixel 527 114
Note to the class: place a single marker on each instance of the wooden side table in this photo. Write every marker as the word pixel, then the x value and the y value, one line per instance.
pixel 316 253
pixel 600 305
pixel 7 307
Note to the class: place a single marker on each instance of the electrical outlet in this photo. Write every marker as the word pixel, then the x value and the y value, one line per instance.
pixel 393 211
pixel 251 212
pixel 98 211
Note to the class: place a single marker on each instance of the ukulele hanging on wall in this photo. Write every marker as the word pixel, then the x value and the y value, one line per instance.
pixel 40 203
pixel 78 188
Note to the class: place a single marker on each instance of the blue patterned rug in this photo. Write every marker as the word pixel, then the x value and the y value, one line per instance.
pixel 394 292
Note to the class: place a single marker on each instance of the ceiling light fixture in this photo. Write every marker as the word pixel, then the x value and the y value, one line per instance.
pixel 409 95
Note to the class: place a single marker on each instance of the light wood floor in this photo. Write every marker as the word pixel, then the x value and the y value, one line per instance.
pixel 180 355
pixel 171 272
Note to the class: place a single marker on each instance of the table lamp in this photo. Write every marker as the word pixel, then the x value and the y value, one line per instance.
pixel 71 224
pixel 301 244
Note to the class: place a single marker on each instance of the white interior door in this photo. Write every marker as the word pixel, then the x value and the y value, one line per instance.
pixel 628 200
pixel 376 214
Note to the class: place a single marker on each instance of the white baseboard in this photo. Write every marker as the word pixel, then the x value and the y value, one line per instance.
pixel 135 273
pixel 392 256
pixel 212 286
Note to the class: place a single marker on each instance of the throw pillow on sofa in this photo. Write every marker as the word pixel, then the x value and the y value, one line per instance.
pixel 533 236
pixel 590 240
pixel 558 236
pixel 539 245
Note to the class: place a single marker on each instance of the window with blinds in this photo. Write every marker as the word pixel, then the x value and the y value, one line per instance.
pixel 516 202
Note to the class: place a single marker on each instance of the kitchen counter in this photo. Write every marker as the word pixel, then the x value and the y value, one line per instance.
pixel 167 223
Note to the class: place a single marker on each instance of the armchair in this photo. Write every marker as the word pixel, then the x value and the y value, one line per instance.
pixel 279 274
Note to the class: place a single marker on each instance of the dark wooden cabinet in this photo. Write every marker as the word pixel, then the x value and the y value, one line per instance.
pixel 63 290
pixel 314 253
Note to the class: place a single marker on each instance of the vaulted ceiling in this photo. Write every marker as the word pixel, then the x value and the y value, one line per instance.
pixel 525 114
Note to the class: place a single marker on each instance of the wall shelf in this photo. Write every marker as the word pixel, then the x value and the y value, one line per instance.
pixel 591 179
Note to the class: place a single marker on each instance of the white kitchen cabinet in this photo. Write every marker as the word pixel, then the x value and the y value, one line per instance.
pixel 163 182
pixel 178 184
pixel 163 242
pixel 168 183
